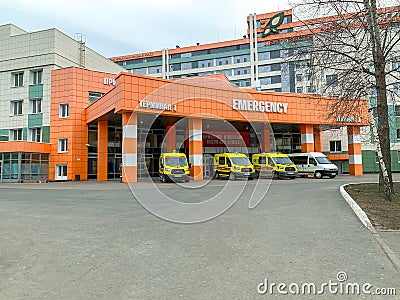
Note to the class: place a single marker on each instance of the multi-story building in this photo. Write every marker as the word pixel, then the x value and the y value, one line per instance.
pixel 26 62
pixel 268 63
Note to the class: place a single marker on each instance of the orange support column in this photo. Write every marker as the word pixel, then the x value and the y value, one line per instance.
pixel 355 156
pixel 102 150
pixel 317 139
pixel 265 138
pixel 170 138
pixel 129 147
pixel 196 148
pixel 307 138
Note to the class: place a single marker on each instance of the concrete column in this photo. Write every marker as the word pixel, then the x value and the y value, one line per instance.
pixel 102 150
pixel 317 139
pixel 196 148
pixel 307 138
pixel 355 157
pixel 265 138
pixel 129 147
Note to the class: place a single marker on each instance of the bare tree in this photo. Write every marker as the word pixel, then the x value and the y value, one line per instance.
pixel 355 46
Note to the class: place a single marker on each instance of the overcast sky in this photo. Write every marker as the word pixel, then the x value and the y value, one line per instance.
pixel 120 27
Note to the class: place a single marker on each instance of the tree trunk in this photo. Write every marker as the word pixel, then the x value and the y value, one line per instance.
pixel 385 185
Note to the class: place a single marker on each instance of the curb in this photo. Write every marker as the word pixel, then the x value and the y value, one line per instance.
pixel 362 216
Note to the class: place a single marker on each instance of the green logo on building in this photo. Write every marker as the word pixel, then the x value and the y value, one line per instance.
pixel 272 25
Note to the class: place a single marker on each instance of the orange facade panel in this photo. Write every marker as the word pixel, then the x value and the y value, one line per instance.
pixel 23 146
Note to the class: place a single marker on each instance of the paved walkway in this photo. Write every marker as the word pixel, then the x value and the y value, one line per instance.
pixel 95 241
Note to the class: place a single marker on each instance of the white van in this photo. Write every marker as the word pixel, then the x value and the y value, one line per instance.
pixel 313 163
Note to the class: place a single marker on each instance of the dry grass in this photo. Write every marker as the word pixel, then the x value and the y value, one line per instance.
pixel 382 213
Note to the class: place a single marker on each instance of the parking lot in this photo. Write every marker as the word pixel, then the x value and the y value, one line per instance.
pixel 94 240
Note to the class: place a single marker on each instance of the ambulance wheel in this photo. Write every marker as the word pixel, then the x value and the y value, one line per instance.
pixel 257 175
pixel 232 176
pixel 217 175
pixel 163 179
pixel 275 175
pixel 187 180
pixel 318 175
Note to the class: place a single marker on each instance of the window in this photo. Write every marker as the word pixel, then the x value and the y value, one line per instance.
pixel 226 72
pixel 397 110
pixel 398 157
pixel 93 96
pixel 223 61
pixel 373 92
pixel 64 110
pixel 374 112
pixel 139 71
pixel 299 90
pixel 241 58
pixel 36 77
pixel 398 134
pixel 335 146
pixel 299 77
pixel 16 108
pixel 221 161
pixel 35 106
pixel 396 66
pixel 264 56
pixel 15 134
pixel 35 134
pixel 331 80
pixel 310 89
pixel 17 79
pixel 154 70
pixel 62 145
pixel 376 157
pixel 396 89
pixel 275 54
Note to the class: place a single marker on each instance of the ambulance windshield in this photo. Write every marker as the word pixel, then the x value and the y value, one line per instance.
pixel 240 161
pixel 175 161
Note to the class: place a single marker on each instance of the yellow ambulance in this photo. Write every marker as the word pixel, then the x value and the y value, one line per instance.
pixel 173 167
pixel 274 165
pixel 233 166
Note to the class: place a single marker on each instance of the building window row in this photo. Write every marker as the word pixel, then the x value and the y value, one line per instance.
pixel 36 77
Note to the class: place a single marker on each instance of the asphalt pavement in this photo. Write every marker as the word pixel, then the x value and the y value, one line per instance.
pixel 92 240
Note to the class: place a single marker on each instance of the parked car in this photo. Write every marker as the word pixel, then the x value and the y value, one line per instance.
pixel 314 163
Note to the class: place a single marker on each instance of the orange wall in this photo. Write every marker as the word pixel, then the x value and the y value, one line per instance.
pixel 72 86
pixel 214 99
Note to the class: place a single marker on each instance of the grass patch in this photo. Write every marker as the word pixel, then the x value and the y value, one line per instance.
pixel 382 213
